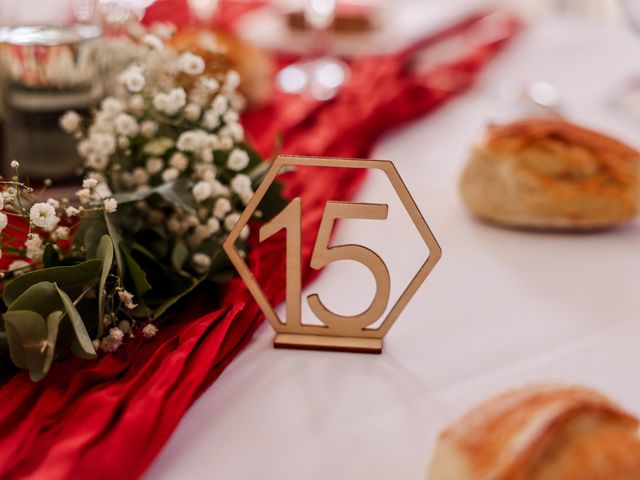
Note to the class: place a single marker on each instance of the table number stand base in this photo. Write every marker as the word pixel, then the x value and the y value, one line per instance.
pixel 333 344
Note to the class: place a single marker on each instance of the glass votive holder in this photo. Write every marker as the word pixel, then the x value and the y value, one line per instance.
pixel 46 71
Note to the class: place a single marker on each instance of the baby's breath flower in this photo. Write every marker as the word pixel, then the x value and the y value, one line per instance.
pixel 72 211
pixel 123 142
pixel 209 84
pixel 220 104
pixel 136 103
pixel 43 215
pixel 62 233
pixel 221 208
pixel 232 81
pixel 214 225
pixel 51 201
pixel 201 191
pixel 154 165
pixel 238 160
pixel 34 247
pixel 17 266
pixel 226 142
pixel 153 41
pixel 149 330
pixel 235 131
pixel 192 112
pixel 126 298
pixel 133 79
pixel 191 64
pixel 244 233
pixel 200 233
pixel 15 164
pixel 84 195
pixel 140 176
pixel 89 183
pixel 241 184
pixel 148 128
pixel 231 117
pixel 179 161
pixel 112 342
pixel 70 121
pixel 163 29
pixel 126 125
pixel 201 262
pixel 170 174
pixel 219 190
pixel 188 141
pixel 161 102
pixel 207 172
pixel 112 105
pixel 171 102
pixel 110 205
pixel 211 119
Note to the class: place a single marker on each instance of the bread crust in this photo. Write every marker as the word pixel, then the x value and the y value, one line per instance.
pixel 537 433
pixel 547 173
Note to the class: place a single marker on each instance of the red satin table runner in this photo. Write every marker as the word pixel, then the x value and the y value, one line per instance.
pixel 108 418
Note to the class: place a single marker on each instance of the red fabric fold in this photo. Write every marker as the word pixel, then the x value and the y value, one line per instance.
pixel 108 418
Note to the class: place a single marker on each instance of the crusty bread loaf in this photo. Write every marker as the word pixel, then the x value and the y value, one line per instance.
pixel 550 174
pixel 541 432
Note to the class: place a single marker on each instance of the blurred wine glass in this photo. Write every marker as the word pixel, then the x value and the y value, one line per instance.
pixel 321 76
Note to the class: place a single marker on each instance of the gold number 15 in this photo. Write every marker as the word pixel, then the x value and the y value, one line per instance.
pixel 290 219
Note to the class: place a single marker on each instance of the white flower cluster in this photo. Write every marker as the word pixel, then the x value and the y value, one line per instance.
pixel 174 121
pixel 49 222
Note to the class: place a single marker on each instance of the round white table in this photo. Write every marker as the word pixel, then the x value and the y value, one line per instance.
pixel 501 309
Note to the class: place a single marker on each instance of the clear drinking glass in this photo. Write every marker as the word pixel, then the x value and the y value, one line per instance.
pixel 47 71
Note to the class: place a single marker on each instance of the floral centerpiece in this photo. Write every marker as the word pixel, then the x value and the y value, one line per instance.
pixel 167 173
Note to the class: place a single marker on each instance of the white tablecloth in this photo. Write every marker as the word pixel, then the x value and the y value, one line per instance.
pixel 501 309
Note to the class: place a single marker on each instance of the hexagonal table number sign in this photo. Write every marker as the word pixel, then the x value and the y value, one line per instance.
pixel 337 332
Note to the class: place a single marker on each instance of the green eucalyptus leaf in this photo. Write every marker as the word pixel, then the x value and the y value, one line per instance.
pixel 27 335
pixel 131 197
pixel 42 298
pixel 32 339
pixel 81 346
pixel 135 273
pixel 90 231
pixel 167 285
pixel 179 255
pixel 72 279
pixel 178 193
pixel 105 253
pixel 116 238
pixel 53 325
